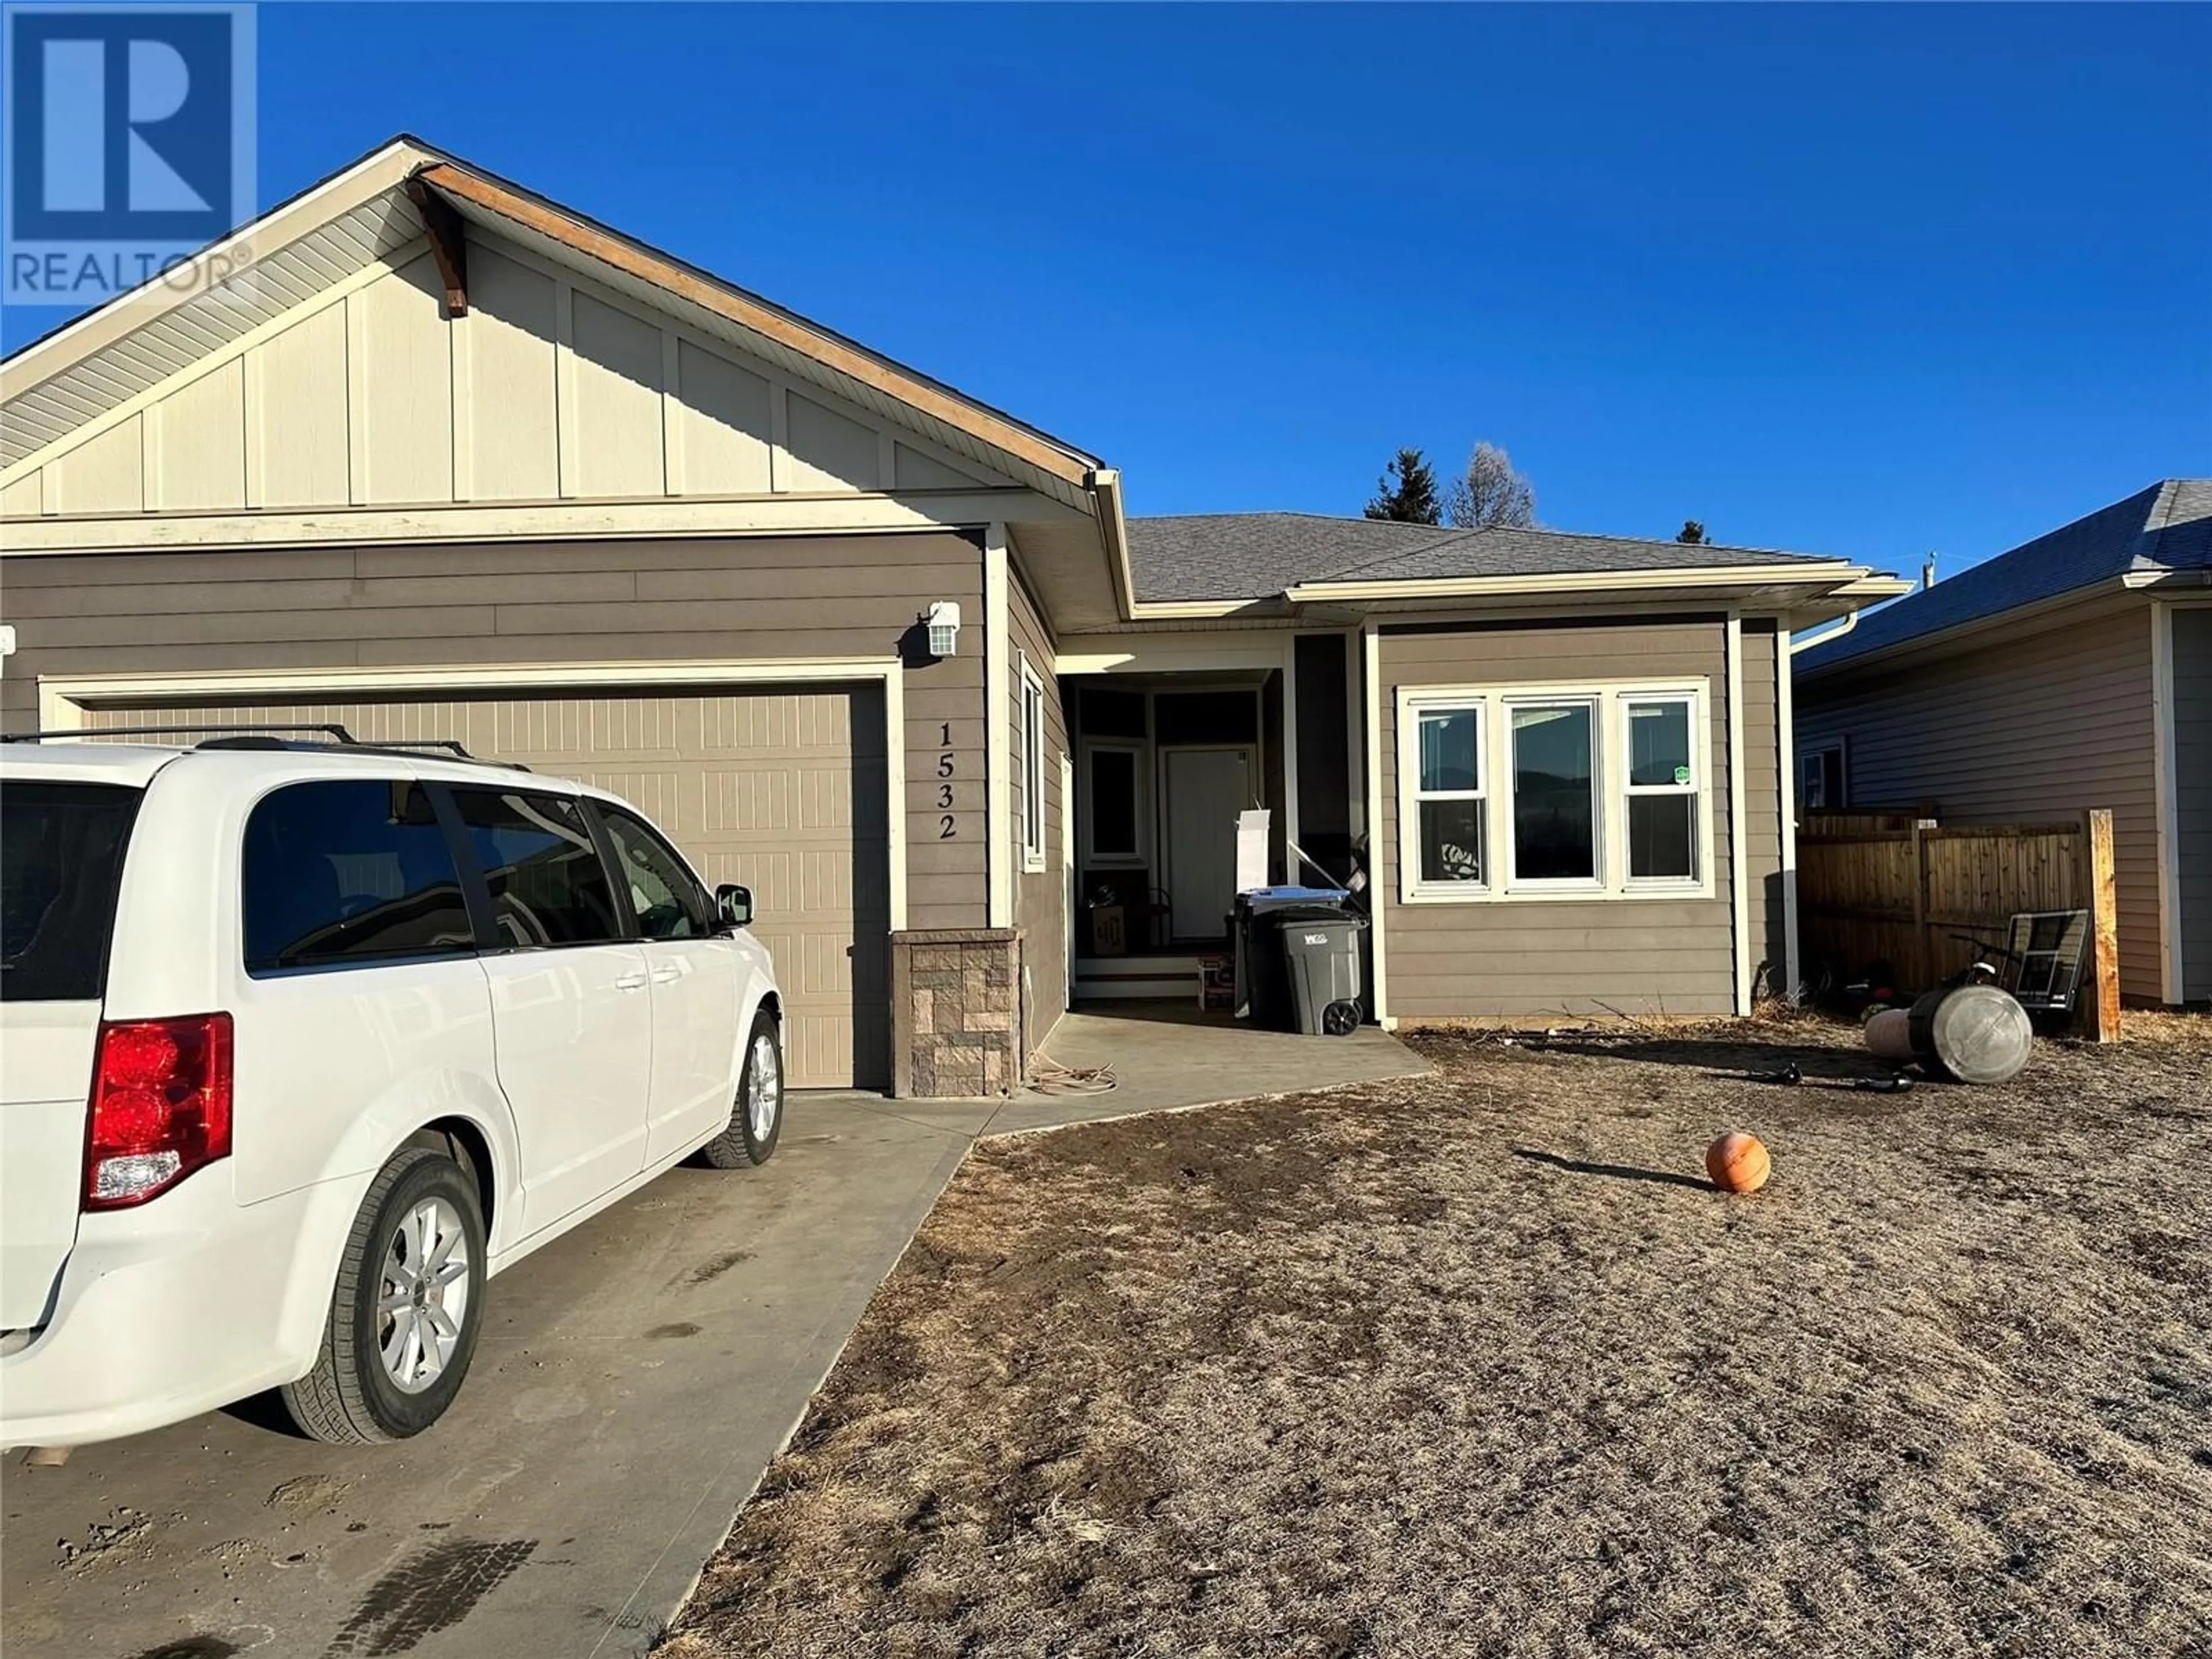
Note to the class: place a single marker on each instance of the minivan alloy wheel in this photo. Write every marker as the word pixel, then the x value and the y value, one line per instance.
pixel 422 1300
pixel 764 1086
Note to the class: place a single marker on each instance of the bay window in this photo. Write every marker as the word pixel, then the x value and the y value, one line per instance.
pixel 1601 792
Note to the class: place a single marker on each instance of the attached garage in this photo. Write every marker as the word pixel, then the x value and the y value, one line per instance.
pixel 458 463
pixel 782 789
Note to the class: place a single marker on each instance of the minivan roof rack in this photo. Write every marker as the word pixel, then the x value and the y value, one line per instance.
pixel 263 735
pixel 335 732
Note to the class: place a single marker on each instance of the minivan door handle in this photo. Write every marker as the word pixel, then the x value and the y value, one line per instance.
pixel 631 982
pixel 664 975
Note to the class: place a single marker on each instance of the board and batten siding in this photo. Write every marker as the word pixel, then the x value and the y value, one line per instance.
pixel 1039 896
pixel 550 387
pixel 2030 730
pixel 740 599
pixel 1546 957
pixel 2192 794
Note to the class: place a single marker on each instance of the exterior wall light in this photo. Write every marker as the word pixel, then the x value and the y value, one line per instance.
pixel 943 624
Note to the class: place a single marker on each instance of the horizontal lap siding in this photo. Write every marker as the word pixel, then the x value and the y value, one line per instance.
pixel 2192 794
pixel 741 599
pixel 1541 958
pixel 2032 729
pixel 1038 899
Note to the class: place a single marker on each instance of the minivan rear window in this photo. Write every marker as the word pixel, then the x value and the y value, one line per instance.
pixel 350 872
pixel 61 866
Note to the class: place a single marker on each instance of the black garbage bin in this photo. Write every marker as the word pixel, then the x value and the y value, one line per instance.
pixel 1263 973
pixel 1320 953
pixel 1263 994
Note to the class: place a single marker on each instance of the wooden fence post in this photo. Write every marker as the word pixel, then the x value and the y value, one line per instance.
pixel 1923 965
pixel 2099 996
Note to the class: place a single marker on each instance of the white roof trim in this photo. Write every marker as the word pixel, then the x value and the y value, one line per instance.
pixel 371 176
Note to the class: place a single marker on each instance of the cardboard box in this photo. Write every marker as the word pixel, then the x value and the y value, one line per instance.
pixel 1110 935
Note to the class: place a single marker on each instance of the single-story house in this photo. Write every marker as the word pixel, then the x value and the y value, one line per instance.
pixel 2074 671
pixel 442 459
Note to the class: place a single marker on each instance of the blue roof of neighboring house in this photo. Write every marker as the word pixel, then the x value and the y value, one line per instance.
pixel 2166 527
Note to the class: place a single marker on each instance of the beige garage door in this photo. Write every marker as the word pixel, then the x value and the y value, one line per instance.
pixel 781 789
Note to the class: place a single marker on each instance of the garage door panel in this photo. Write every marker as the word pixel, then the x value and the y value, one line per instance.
pixel 780 790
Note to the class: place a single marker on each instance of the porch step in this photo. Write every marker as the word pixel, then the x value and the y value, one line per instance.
pixel 1123 977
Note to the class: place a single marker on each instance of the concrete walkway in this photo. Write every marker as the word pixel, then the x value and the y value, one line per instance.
pixel 636 1379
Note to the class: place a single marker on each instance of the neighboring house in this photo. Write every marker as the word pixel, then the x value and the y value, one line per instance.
pixel 459 462
pixel 2074 671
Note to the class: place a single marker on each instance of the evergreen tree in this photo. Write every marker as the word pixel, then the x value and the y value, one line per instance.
pixel 1407 491
pixel 1692 533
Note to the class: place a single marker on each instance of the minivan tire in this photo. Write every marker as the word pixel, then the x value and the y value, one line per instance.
pixel 351 1398
pixel 742 1142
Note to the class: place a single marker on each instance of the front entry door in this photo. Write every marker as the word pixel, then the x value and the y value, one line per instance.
pixel 1203 791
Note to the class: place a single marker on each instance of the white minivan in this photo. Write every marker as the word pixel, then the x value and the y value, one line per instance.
pixel 301 1041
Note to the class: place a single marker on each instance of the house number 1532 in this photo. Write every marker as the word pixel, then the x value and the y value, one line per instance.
pixel 947 828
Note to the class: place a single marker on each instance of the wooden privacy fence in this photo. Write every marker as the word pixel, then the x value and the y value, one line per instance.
pixel 1895 887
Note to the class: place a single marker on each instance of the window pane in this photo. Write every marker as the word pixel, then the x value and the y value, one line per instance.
pixel 548 886
pixel 1447 749
pixel 1113 802
pixel 1663 841
pixel 61 868
pixel 667 900
pixel 350 871
pixel 1552 834
pixel 1032 768
pixel 1451 839
pixel 1659 743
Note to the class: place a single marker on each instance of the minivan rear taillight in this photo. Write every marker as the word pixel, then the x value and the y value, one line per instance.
pixel 160 1106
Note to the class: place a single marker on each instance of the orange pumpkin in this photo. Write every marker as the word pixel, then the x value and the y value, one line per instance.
pixel 1738 1164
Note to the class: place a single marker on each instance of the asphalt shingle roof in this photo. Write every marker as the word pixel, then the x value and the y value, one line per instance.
pixel 1256 556
pixel 2165 527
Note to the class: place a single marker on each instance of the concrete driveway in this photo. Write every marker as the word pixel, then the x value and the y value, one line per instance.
pixel 634 1379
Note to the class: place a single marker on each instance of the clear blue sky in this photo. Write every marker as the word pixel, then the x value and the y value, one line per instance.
pixel 1865 280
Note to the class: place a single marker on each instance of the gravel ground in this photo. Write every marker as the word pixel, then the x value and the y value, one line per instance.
pixel 1478 1365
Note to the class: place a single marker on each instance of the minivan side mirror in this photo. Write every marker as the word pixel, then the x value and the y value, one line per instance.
pixel 735 905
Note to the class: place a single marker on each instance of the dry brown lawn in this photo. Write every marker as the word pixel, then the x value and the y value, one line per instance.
pixel 1475 1364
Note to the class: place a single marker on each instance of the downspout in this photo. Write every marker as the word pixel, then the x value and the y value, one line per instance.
pixel 1851 620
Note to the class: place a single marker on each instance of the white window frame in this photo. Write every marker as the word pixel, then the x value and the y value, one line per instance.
pixel 1609 699
pixel 1566 696
pixel 1138 750
pixel 1411 706
pixel 1701 849
pixel 1033 815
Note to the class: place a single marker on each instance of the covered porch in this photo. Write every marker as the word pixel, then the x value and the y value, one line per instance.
pixel 1171 737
